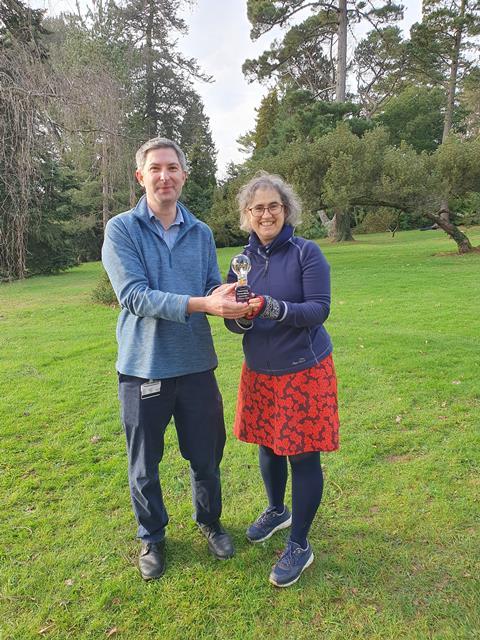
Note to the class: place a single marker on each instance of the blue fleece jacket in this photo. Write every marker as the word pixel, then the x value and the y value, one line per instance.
pixel 156 337
pixel 295 271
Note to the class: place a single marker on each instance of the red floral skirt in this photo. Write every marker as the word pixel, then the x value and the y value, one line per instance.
pixel 291 414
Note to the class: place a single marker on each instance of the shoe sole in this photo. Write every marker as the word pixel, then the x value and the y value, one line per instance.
pixel 282 525
pixel 150 578
pixel 221 557
pixel 289 584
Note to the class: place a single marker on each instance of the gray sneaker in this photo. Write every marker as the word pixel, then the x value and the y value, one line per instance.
pixel 268 523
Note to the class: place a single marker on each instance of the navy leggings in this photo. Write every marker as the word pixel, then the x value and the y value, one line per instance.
pixel 307 487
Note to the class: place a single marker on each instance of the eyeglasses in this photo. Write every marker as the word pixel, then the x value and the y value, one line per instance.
pixel 274 209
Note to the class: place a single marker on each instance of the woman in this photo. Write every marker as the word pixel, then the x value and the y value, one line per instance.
pixel 287 399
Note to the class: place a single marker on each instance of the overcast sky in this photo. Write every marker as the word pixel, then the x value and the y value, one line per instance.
pixel 219 39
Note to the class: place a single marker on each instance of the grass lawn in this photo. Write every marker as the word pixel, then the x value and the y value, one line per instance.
pixel 396 538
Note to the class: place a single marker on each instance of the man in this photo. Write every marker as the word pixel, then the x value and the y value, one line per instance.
pixel 162 264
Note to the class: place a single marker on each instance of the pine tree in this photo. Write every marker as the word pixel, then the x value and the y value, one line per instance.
pixel 162 73
pixel 322 43
pixel 442 51
pixel 196 141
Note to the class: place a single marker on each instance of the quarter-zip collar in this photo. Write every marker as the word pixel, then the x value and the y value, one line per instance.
pixel 142 212
pixel 283 237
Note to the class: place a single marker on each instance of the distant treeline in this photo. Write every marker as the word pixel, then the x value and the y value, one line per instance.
pixel 387 140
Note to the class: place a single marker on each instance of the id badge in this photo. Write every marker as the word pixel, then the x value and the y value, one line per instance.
pixel 150 389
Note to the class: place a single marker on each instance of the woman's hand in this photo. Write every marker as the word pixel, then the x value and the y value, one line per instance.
pixel 255 306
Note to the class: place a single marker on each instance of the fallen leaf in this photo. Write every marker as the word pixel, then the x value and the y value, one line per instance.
pixel 95 439
pixel 456 382
pixel 112 632
pixel 442 417
pixel 398 419
pixel 69 582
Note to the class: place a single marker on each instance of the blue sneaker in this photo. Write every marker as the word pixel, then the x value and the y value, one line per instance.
pixel 267 523
pixel 293 561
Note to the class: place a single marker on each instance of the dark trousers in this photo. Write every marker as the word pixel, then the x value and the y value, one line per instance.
pixel 195 403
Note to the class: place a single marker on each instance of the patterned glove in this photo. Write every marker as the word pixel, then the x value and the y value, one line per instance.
pixel 273 309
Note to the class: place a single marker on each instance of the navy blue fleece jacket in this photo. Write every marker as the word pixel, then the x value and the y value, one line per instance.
pixel 295 271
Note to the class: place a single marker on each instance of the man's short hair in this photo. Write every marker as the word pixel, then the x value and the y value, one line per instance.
pixel 159 143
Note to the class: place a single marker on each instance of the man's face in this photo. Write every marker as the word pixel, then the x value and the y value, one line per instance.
pixel 162 176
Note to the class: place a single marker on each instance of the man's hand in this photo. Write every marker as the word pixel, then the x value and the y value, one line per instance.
pixel 221 303
pixel 255 306
pixel 228 288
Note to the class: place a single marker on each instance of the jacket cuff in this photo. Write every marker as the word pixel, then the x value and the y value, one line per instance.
pixel 183 307
pixel 245 325
pixel 212 289
pixel 285 311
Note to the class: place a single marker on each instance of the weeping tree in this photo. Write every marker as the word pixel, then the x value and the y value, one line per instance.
pixel 94 86
pixel 24 94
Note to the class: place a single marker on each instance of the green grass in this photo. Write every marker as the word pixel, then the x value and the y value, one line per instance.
pixel 396 538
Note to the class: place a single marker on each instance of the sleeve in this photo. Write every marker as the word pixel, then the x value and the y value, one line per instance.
pixel 127 273
pixel 315 308
pixel 214 279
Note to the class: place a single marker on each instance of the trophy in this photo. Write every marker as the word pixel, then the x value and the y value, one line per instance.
pixel 241 265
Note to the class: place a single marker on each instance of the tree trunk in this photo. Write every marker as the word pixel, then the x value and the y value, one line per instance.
pixel 341 83
pixel 131 188
pixel 150 102
pixel 452 88
pixel 327 223
pixel 105 184
pixel 463 243
pixel 341 226
pixel 452 83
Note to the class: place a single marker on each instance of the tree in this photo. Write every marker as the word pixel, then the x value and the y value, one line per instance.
pixel 163 73
pixel 415 115
pixel 95 135
pixel 313 52
pixel 23 127
pixel 321 41
pixel 267 115
pixel 380 64
pixel 470 99
pixel 196 141
pixel 442 49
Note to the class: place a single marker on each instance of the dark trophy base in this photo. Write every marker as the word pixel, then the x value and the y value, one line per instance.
pixel 242 293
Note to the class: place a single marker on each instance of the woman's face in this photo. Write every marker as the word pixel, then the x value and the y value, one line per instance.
pixel 266 222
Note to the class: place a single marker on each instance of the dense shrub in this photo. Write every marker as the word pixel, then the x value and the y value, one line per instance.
pixel 378 221
pixel 103 292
